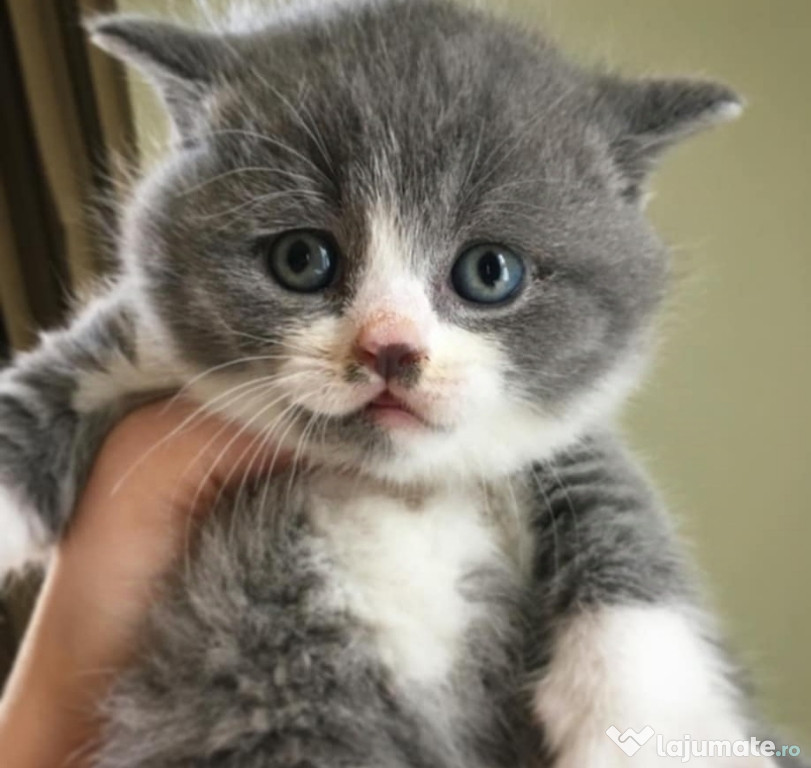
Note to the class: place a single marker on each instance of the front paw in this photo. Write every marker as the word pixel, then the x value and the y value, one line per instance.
pixel 639 686
pixel 44 448
pixel 23 538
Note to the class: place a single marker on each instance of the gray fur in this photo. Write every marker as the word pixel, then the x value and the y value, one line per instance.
pixel 603 529
pixel 258 668
pixel 46 444
pixel 471 128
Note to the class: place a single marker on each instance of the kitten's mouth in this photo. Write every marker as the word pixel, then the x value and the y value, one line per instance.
pixel 388 410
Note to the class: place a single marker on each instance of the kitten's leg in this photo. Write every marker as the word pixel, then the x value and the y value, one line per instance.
pixel 56 404
pixel 624 645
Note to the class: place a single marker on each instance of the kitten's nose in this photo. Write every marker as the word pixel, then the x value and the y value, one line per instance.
pixel 393 350
pixel 393 360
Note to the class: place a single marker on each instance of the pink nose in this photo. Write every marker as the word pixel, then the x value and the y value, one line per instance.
pixel 391 348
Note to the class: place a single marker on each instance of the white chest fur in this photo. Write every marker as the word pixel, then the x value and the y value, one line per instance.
pixel 402 564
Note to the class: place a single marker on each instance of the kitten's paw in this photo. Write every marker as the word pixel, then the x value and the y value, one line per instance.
pixel 23 539
pixel 638 686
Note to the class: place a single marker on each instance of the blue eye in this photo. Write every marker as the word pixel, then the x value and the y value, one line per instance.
pixel 303 260
pixel 487 274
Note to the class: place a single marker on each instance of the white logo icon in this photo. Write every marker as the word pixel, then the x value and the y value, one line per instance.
pixel 630 741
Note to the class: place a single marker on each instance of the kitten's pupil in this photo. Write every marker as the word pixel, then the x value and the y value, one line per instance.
pixel 299 257
pixel 490 268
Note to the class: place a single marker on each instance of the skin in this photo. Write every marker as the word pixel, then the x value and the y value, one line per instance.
pixel 157 471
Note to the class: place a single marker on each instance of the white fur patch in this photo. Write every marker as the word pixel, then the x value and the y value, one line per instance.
pixel 635 667
pixel 21 534
pixel 400 565
pixel 390 284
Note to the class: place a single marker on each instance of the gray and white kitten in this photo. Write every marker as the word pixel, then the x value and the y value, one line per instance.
pixel 406 240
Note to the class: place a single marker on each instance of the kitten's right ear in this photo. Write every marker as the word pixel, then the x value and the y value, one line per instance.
pixel 645 117
pixel 185 65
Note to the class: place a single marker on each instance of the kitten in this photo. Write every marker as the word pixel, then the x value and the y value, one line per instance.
pixel 406 240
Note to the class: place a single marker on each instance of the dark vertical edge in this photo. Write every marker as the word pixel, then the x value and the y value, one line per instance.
pixel 81 81
pixel 37 233
pixel 5 347
pixel 106 80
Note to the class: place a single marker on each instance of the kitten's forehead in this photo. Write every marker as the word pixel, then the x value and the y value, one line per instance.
pixel 428 102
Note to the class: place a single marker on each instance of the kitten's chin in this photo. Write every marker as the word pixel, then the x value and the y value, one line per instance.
pixel 397 448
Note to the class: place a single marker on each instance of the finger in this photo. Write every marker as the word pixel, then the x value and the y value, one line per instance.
pixel 239 448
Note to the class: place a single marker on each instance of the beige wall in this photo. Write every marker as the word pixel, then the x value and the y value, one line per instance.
pixel 724 421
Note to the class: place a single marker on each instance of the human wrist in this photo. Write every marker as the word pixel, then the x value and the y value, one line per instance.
pixel 48 707
pixel 42 723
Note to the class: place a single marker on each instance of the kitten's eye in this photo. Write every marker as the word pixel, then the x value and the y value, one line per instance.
pixel 487 274
pixel 303 260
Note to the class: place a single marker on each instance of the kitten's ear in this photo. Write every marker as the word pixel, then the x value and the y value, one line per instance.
pixel 185 65
pixel 649 116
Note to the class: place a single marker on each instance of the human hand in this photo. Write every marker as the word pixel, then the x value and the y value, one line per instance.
pixel 158 469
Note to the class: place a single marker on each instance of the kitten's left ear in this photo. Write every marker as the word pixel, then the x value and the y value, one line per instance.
pixel 183 64
pixel 646 117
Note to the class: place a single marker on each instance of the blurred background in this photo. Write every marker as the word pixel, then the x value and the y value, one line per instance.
pixel 724 423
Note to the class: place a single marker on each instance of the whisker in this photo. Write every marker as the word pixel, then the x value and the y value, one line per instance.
pixel 197 457
pixel 238 434
pixel 246 169
pixel 301 441
pixel 260 199
pixel 199 413
pixel 209 371
pixel 274 142
pixel 262 439
pixel 511 146
pixel 205 409
pixel 279 445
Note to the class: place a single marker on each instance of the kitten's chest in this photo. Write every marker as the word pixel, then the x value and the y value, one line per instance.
pixel 415 569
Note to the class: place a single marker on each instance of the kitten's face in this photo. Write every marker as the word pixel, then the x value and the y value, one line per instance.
pixel 402 255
